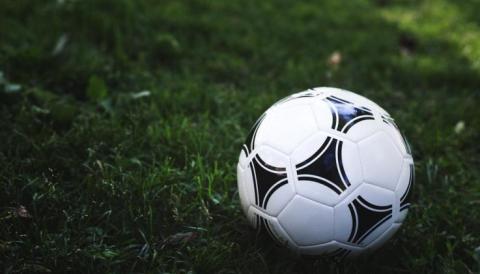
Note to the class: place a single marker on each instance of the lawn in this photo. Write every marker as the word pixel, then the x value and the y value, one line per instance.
pixel 122 121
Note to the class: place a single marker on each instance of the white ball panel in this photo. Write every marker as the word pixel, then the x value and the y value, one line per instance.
pixel 402 187
pixel 247 185
pixel 307 148
pixel 273 157
pixel 351 163
pixel 376 195
pixel 381 160
pixel 307 222
pixel 403 180
pixel 242 159
pixel 279 199
pixel 363 130
pixel 397 138
pixel 343 221
pixel 323 114
pixel 317 192
pixel 285 128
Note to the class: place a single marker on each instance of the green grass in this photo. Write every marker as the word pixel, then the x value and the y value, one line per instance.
pixel 118 179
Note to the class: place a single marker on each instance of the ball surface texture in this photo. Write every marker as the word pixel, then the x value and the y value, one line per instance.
pixel 326 172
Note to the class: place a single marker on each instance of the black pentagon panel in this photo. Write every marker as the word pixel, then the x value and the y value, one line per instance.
pixel 250 142
pixel 405 199
pixel 366 217
pixel 325 166
pixel 345 114
pixel 267 180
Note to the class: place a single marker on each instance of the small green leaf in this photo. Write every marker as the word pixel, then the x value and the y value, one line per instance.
pixel 97 89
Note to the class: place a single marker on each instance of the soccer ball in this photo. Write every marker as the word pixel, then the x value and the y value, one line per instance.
pixel 326 172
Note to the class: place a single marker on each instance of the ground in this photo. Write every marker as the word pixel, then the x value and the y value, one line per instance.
pixel 122 122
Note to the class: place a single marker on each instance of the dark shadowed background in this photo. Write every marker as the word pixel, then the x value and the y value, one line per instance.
pixel 121 122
